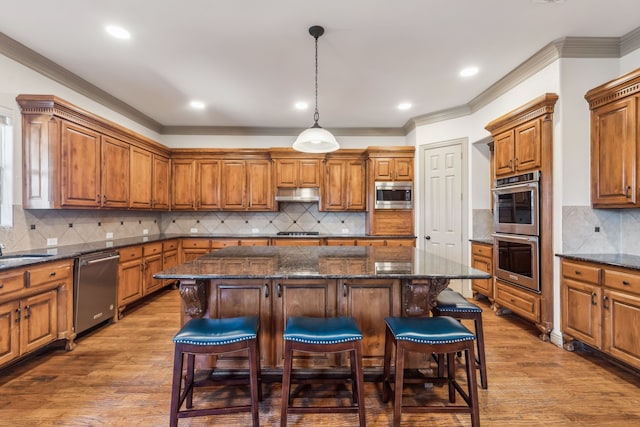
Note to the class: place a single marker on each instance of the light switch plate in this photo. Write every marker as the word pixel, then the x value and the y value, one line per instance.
pixel 109 236
pixel 194 230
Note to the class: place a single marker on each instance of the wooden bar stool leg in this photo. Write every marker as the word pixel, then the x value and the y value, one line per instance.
pixel 481 355
pixel 176 391
pixel 451 375
pixel 388 349
pixel 188 387
pixel 472 387
pixel 286 383
pixel 358 381
pixel 399 381
pixel 254 384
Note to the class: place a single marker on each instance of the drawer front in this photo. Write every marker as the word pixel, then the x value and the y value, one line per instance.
pixel 628 281
pixel 219 244
pixel 152 249
pixel 482 250
pixel 195 243
pixel 169 245
pixel 581 272
pixel 11 282
pixel 254 242
pixel 57 272
pixel 132 252
pixel 523 303
pixel 341 242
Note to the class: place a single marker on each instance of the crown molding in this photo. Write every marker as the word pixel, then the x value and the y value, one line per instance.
pixel 630 42
pixel 32 59
pixel 274 131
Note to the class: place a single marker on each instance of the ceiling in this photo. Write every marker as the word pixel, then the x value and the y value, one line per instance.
pixel 249 61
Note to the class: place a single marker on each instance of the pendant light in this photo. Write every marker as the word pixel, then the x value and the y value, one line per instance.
pixel 316 139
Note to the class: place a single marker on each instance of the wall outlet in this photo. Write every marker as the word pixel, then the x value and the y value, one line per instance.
pixel 345 230
pixel 52 241
pixel 255 230
pixel 109 236
pixel 194 230
pixel 145 231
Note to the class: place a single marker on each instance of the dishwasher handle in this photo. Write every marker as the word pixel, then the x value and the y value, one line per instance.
pixel 93 261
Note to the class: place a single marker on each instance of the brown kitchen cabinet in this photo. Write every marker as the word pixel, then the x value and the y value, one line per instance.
pixel 35 308
pixel 345 181
pixel 170 256
pixel 95 169
pixel 136 268
pixel 74 159
pixel 302 297
pixel 369 301
pixel 193 248
pixel 196 184
pixel 482 259
pixel 600 307
pixel 247 185
pixel 296 242
pixel 393 168
pixel 518 150
pixel 297 173
pixel 150 183
pixel 615 142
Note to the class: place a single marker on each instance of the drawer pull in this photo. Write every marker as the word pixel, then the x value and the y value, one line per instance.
pixel 626 282
pixel 279 290
pixel 605 304
pixel 593 299
pixel 266 291
pixel 578 272
pixel 1 285
pixel 52 274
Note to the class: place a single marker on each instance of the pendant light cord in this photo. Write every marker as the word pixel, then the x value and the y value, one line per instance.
pixel 316 115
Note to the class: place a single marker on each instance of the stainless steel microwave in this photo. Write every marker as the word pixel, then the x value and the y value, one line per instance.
pixel 393 195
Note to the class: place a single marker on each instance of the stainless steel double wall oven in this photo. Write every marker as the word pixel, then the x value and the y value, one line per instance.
pixel 517 230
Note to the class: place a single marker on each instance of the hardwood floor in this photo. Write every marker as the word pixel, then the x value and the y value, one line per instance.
pixel 120 375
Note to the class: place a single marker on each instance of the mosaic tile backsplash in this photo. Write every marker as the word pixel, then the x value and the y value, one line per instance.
pixel 33 228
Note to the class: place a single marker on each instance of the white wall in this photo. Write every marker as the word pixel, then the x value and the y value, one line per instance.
pixel 258 141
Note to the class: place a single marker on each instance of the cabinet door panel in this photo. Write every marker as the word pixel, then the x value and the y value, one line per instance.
pixel 260 194
pixel 129 281
pixel 621 318
pixel 235 298
pixel 184 179
pixel 141 175
pixel 613 154
pixel 81 167
pixel 581 311
pixel 316 298
pixel 9 332
pixel 286 173
pixel 403 169
pixel 115 173
pixel 369 302
pixel 160 184
pixel 233 185
pixel 356 185
pixel 39 322
pixel 335 191
pixel 309 173
pixel 208 185
pixel 504 153
pixel 528 146
pixel 152 265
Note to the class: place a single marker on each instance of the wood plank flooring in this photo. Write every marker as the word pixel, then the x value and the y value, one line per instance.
pixel 120 375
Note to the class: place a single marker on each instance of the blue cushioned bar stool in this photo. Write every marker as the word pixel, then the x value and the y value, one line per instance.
pixel 323 335
pixel 440 335
pixel 213 337
pixel 453 304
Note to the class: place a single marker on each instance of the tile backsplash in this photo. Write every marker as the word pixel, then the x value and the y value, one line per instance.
pixel 33 228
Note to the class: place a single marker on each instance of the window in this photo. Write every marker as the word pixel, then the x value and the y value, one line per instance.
pixel 6 168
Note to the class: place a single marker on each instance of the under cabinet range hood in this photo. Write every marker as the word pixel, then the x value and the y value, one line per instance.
pixel 298 195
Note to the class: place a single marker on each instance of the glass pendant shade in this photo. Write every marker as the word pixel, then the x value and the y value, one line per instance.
pixel 316 140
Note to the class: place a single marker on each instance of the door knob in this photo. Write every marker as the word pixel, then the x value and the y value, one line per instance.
pixel 427 237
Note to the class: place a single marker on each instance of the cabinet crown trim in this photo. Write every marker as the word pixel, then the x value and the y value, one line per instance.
pixel 623 86
pixel 537 107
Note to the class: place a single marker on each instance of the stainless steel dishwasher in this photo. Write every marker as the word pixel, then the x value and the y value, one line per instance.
pixel 94 289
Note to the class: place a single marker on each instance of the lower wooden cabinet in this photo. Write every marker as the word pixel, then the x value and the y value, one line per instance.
pixel 524 303
pixel 35 308
pixel 600 307
pixel 482 259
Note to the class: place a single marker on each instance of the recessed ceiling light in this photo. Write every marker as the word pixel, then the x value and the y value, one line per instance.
pixel 197 105
pixel 469 71
pixel 118 32
pixel 301 105
pixel 404 106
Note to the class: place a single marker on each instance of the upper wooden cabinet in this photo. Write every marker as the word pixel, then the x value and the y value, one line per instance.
pixel 393 169
pixel 345 180
pixel 615 141
pixel 196 184
pixel 519 149
pixel 246 185
pixel 74 159
pixel 149 180
pixel 294 169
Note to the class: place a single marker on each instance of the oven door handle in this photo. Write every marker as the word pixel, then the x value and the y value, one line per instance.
pixel 516 237
pixel 516 186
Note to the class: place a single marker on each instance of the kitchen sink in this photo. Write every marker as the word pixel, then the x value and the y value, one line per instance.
pixel 5 259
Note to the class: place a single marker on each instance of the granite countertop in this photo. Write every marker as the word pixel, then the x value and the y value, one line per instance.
pixel 614 260
pixel 57 253
pixel 282 262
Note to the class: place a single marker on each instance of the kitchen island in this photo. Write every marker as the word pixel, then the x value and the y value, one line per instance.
pixel 275 283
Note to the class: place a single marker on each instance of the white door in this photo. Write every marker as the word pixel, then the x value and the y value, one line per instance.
pixel 442 204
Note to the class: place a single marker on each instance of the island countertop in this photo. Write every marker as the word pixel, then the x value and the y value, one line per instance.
pixel 282 262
